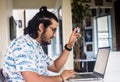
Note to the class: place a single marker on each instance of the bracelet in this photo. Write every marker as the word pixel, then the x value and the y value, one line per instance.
pixel 68 49
pixel 62 78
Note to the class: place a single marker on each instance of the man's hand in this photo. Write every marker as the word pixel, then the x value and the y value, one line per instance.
pixel 66 74
pixel 73 38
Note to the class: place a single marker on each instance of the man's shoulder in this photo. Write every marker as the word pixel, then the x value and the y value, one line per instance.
pixel 20 42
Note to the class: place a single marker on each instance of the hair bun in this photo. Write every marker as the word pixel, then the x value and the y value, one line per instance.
pixel 43 8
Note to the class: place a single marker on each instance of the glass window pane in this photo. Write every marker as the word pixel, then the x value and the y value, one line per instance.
pixel 103 32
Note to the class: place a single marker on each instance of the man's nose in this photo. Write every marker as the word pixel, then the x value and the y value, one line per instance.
pixel 54 35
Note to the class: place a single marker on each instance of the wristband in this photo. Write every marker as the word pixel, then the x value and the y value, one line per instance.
pixel 62 78
pixel 68 49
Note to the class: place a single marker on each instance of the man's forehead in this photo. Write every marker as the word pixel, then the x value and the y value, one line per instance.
pixel 54 22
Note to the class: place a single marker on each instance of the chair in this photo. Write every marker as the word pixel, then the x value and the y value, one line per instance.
pixel 2 78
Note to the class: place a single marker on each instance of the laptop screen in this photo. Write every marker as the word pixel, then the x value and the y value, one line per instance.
pixel 102 58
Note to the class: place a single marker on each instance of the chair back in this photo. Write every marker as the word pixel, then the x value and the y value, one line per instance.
pixel 2 78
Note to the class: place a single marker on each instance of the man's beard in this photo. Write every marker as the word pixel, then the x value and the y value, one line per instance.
pixel 44 42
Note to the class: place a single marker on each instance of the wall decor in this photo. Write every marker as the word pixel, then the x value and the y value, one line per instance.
pixel 99 2
pixel 13 25
pixel 107 10
pixel 108 0
pixel 86 1
pixel 88 35
pixel 93 12
pixel 88 22
pixel 89 47
pixel 20 23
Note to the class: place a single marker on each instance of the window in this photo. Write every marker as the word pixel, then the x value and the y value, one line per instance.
pixel 104 31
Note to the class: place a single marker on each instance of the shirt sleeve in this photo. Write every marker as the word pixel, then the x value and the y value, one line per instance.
pixel 49 61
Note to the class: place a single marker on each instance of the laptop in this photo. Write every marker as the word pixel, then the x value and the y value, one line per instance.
pixel 99 68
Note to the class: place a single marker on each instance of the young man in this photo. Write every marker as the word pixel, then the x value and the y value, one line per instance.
pixel 25 60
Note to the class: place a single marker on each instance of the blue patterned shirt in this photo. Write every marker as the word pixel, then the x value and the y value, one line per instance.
pixel 25 54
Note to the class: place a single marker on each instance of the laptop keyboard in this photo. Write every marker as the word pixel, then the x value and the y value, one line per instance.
pixel 87 76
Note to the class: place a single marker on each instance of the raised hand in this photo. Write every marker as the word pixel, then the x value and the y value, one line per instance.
pixel 73 38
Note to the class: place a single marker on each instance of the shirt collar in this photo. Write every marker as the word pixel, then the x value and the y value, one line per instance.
pixel 33 40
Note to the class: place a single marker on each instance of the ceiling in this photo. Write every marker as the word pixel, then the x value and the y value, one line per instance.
pixel 33 4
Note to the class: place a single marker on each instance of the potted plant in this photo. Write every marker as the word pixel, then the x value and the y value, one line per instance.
pixel 80 11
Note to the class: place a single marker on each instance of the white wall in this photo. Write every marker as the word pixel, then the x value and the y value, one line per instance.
pixel 6 11
pixel 67 28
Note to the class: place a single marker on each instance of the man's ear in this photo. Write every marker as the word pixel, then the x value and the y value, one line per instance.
pixel 41 27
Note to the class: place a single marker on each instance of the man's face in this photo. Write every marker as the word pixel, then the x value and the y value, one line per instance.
pixel 49 33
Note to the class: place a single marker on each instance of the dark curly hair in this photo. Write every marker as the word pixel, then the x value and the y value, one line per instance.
pixel 43 16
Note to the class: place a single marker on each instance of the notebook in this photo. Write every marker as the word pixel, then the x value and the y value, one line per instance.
pixel 99 68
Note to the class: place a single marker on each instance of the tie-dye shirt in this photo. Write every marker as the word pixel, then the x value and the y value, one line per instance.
pixel 25 54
